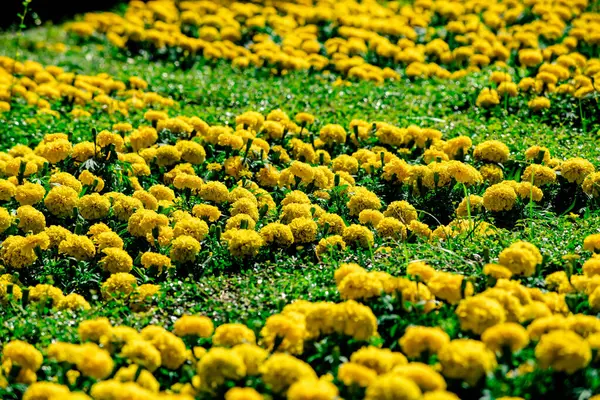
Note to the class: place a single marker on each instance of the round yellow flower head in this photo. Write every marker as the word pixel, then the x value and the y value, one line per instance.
pixel 393 386
pixel 521 258
pixel 466 359
pixel 563 350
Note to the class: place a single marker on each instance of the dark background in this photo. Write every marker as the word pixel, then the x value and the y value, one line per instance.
pixel 48 10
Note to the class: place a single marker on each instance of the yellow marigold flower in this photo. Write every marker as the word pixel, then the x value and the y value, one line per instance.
pixel 208 212
pixel 245 206
pixel 497 271
pixel 229 335
pixel 332 223
pixel 370 217
pixel 351 373
pixel 238 393
pixel 144 379
pixel 7 190
pixel 191 151
pixel 150 202
pixel 359 286
pixel 447 286
pixel 61 200
pixel 583 325
pixel 120 283
pixel 235 222
pixel 332 134
pixel 116 260
pixel 45 293
pixel 419 229
pixel 161 192
pixel 6 219
pixel 344 270
pixel 30 219
pixel 83 151
pixel 155 260
pixel 66 179
pixel 358 235
pixel 487 98
pixel 193 325
pixel 142 353
pixel 491 173
pixel 539 103
pixel 379 360
pixel 252 355
pixel 29 193
pixel 282 370
pixel 543 325
pixel 393 387
pixel 345 163
pixel 184 249
pixel 106 138
pixel 457 146
pixel 540 174
pixel 474 206
pixel 390 227
pixel 576 170
pixel 93 206
pixel 592 267
pixel 94 361
pixel 492 151
pixel 590 186
pixel 243 242
pixel 172 349
pixel 88 179
pixel 466 359
pixel 78 247
pixel 277 234
pixel 508 335
pixel 402 211
pixel 306 118
pixel 420 269
pixel 478 313
pixel 508 89
pixel 423 375
pixel 420 339
pixel 521 258
pixel 55 151
pixel 530 57
pixel 214 191
pixel 563 350
pixel 45 390
pixel 304 230
pixel 334 243
pixel 193 227
pixel 74 302
pixel 499 197
pixel 288 331
pixel 303 171
pixel 22 354
pixel 527 191
pixel 93 329
pixel 62 352
pixel 107 239
pixel 312 389
pixel 536 153
pixel 251 119
pixel 289 212
pixel 295 197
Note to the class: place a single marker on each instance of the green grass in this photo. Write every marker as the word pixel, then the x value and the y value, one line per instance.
pixel 217 93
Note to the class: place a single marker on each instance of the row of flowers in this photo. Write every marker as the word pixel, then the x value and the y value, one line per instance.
pixel 548 47
pixel 504 324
